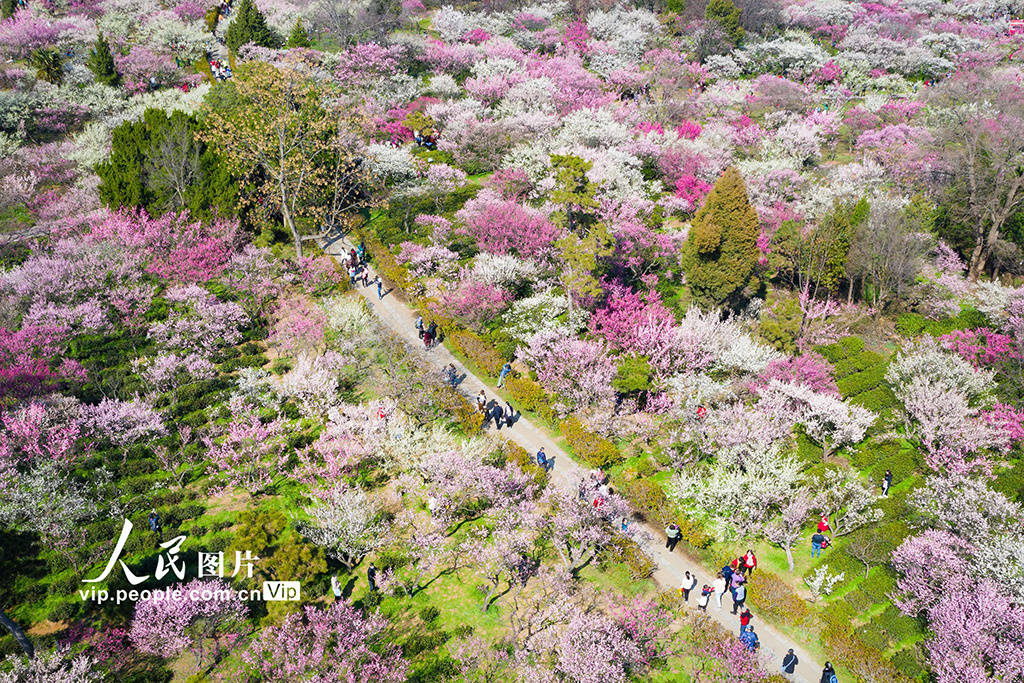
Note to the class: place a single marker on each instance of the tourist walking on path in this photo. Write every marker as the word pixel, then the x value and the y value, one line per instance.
pixel 705 596
pixel 750 639
pixel 154 524
pixel 481 401
pixel 688 584
pixel 380 287
pixel 672 536
pixel 371 577
pixel 745 617
pixel 336 588
pixel 719 587
pixel 789 663
pixel 739 596
pixel 886 482
pixel 496 414
pixel 510 414
pixel 828 674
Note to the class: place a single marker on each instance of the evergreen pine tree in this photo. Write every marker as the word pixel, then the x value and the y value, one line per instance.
pixel 101 63
pixel 721 255
pixel 728 16
pixel 298 37
pixel 250 26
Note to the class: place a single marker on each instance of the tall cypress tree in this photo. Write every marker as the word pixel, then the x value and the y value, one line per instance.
pixel 728 16
pixel 250 26
pixel 721 255
pixel 298 37
pixel 101 63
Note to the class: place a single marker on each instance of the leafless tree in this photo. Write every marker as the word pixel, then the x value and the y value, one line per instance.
pixel 886 251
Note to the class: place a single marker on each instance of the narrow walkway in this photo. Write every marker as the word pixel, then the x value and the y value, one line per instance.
pixel 567 473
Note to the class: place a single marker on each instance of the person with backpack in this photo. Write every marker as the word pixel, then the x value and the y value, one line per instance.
pixel 419 326
pixel 380 287
pixel 735 582
pixel 542 458
pixel 336 588
pixel 496 414
pixel 750 639
pixel 789 663
pixel 371 577
pixel 432 329
pixel 705 596
pixel 828 674
pixel 481 402
pixel 727 574
pixel 510 414
pixel 672 536
pixel 886 482
pixel 745 617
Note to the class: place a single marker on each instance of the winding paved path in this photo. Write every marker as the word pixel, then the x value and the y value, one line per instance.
pixel 566 474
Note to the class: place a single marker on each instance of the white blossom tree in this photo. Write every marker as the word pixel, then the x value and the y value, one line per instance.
pixel 346 524
pixel 842 496
pixel 786 530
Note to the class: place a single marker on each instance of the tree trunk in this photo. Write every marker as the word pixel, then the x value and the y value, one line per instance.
pixel 18 634
pixel 287 216
pixel 789 555
pixel 978 257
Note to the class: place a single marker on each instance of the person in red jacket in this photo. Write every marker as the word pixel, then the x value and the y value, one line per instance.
pixel 745 617
pixel 749 561
pixel 823 525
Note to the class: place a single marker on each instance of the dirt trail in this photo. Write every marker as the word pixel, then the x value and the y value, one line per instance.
pixel 567 474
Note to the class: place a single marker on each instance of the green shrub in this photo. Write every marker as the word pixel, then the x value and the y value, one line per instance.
pixel 873 636
pixel 281 365
pixel 860 382
pixel 879 400
pixel 773 596
pixel 531 396
pixel 429 613
pixel 879 584
pixel 903 463
pixel 807 451
pixel 693 533
pixel 483 355
pixel 648 499
pixel 858 600
pixel 911 325
pixel 591 448
pixel 623 549
pixel 869 452
pixel 911 661
pixel 64 611
pixel 1010 481
pixel 897 626
pixel 841 349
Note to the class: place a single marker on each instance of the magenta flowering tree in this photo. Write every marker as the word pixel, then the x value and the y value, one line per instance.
pixel 175 247
pixel 982 347
pixel 199 613
pixel 27 31
pixel 299 327
pixel 623 313
pixel 810 370
pixel 475 303
pixel 33 434
pixel 502 226
pixel 339 643
pixel 580 371
pixel 199 322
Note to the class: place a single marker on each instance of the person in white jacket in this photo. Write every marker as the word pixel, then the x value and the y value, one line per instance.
pixel 719 586
pixel 688 583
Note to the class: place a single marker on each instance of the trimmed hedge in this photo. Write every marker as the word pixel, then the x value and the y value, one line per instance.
pixel 625 550
pixel 773 596
pixel 477 350
pixel 648 499
pixel 531 396
pixel 591 448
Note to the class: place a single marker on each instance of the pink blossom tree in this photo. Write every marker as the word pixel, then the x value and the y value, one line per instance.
pixel 580 371
pixel 502 226
pixel 623 313
pixel 338 643
pixel 200 611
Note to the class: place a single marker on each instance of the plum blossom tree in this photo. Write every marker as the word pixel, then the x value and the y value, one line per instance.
pixel 58 666
pixel 580 371
pixel 828 420
pixel 576 530
pixel 787 529
pixel 846 500
pixel 345 523
pixel 336 643
pixel 202 611
pixel 250 452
